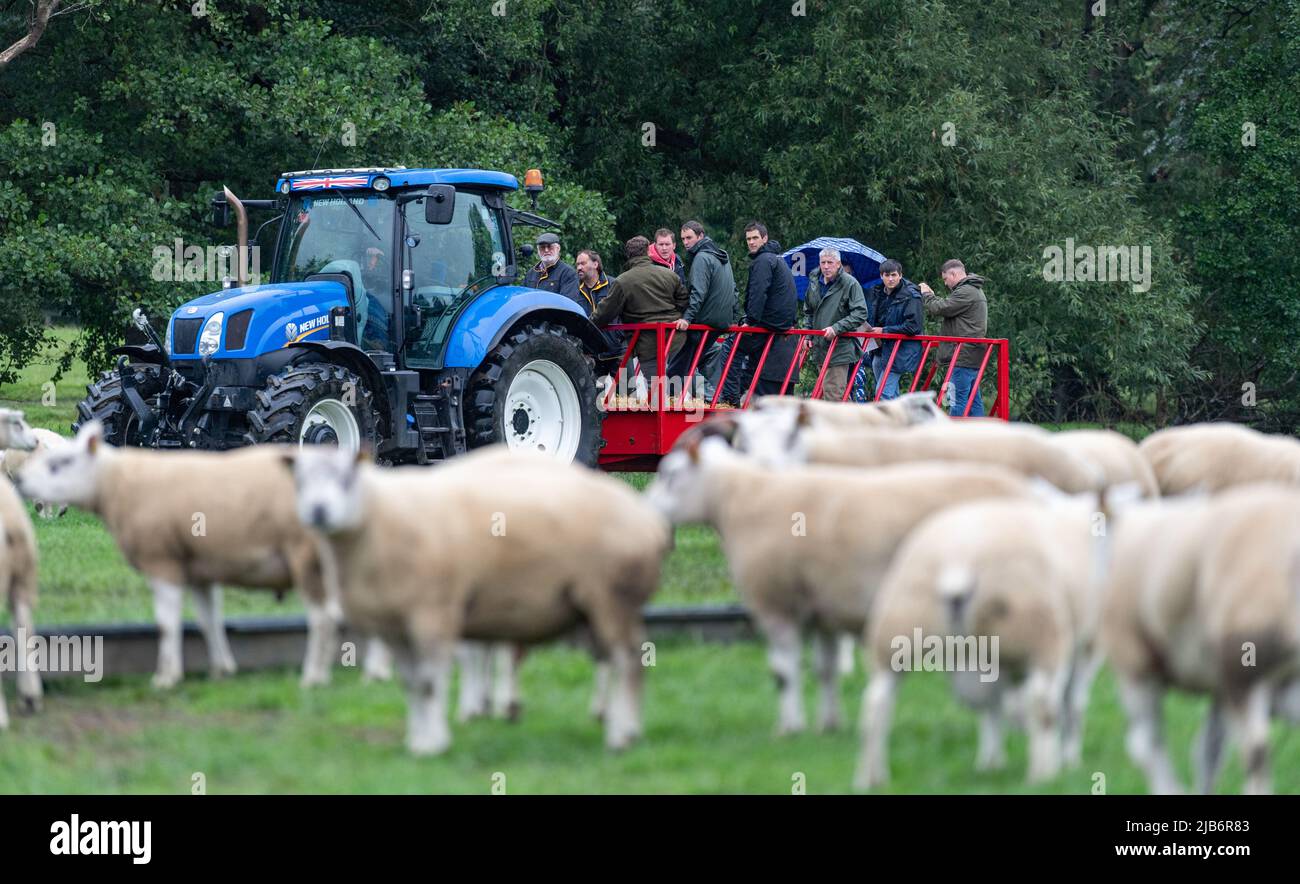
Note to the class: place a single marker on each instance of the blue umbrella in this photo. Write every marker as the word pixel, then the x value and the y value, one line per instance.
pixel 863 261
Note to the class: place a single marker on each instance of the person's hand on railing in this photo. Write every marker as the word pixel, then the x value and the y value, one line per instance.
pixel 682 325
pixel 828 332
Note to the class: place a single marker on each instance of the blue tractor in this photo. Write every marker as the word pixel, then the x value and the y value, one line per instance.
pixel 390 319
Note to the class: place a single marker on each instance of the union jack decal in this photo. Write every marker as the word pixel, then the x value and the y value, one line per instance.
pixel 328 181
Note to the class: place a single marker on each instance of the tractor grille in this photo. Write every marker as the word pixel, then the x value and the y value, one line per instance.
pixel 185 334
pixel 237 329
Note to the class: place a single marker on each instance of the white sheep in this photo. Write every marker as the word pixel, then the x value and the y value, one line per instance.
pixel 1019 578
pixel 906 410
pixel 1214 456
pixel 14 458
pixel 1204 596
pixel 19 555
pixel 1116 456
pixel 789 436
pixel 807 547
pixel 492 546
pixel 194 520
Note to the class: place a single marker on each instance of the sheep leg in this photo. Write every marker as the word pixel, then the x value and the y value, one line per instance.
pixel 321 636
pixel 1248 722
pixel 1207 753
pixel 28 679
pixel 379 662
pixel 600 696
pixel 207 610
pixel 848 646
pixel 991 754
pixel 167 604
pixel 826 652
pixel 505 680
pixel 623 723
pixel 1085 669
pixel 475 672
pixel 1044 698
pixel 426 669
pixel 783 651
pixel 1145 741
pixel 876 719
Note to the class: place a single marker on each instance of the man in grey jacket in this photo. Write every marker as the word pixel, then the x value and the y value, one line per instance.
pixel 835 304
pixel 714 302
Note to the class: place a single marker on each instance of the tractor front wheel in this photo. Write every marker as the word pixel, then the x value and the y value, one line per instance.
pixel 536 391
pixel 106 403
pixel 314 403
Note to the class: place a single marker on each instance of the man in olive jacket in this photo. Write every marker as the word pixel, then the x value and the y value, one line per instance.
pixel 713 302
pixel 644 292
pixel 965 314
pixel 835 304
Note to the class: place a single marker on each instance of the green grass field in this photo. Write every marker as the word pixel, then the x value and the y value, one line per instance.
pixel 709 711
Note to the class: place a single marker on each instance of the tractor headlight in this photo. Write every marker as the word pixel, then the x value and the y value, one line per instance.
pixel 210 340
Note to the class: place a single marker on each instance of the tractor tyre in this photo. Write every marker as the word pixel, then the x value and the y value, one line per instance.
pixel 106 403
pixel 314 403
pixel 536 390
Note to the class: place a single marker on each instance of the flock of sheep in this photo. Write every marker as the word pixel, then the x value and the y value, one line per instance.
pixel 1178 560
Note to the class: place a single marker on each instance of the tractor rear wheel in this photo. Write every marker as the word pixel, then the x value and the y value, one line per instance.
pixel 105 403
pixel 314 403
pixel 536 390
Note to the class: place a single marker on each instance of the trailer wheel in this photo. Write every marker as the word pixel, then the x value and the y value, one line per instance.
pixel 536 390
pixel 105 403
pixel 314 403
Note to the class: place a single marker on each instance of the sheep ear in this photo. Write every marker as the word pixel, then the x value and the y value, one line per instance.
pixel 804 416
pixel 93 434
pixel 693 449
pixel 365 454
pixel 289 458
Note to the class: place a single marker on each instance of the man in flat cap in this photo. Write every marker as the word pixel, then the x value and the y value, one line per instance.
pixel 550 274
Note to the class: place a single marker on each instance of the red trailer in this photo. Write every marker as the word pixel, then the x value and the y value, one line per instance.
pixel 640 431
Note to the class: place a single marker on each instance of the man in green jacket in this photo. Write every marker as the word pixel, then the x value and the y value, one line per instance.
pixel 644 292
pixel 835 304
pixel 965 314
pixel 714 302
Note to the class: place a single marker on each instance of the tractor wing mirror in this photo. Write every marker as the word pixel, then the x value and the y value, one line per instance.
pixel 439 204
pixel 220 210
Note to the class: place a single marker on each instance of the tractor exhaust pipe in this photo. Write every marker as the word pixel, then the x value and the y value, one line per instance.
pixel 241 225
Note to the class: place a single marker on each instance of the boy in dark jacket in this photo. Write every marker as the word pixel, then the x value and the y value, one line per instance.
pixel 894 306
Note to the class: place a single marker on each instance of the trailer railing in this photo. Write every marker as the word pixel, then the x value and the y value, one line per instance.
pixel 644 418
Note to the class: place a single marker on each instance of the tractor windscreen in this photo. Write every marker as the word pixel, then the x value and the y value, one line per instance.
pixel 344 233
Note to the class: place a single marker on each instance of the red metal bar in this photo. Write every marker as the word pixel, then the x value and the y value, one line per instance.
pixel 916 375
pixel 952 363
pixel 848 388
pixel 1004 379
pixel 821 375
pixel 979 376
pixel 758 369
pixel 627 354
pixel 880 381
pixel 722 378
pixel 800 355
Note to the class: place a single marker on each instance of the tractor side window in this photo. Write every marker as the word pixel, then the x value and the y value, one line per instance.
pixel 449 264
